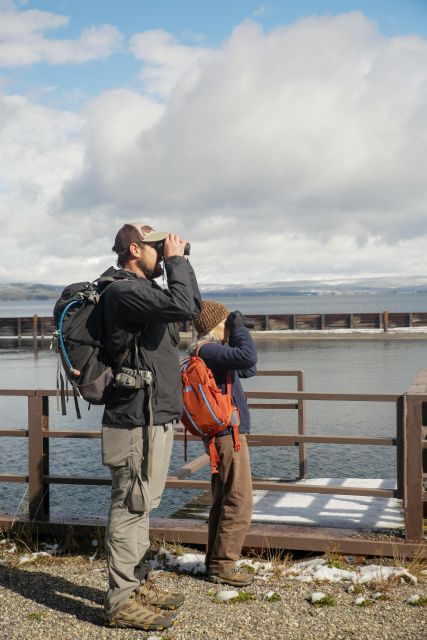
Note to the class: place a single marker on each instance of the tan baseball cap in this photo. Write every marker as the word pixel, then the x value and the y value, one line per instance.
pixel 136 232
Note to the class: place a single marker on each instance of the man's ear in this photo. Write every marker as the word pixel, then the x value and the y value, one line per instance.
pixel 135 249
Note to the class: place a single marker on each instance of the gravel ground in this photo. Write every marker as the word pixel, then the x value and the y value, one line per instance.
pixel 61 599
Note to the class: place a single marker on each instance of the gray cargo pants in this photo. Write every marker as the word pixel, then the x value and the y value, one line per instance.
pixel 129 453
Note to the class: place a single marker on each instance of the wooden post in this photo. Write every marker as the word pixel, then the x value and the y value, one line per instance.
pixel 350 321
pixel 410 320
pixel 322 321
pixel 424 452
pixel 267 323
pixel 35 458
pixel 400 450
pixel 46 461
pixel 302 423
pixel 385 320
pixel 413 469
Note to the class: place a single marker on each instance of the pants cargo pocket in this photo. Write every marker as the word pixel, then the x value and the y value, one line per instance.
pixel 138 496
pixel 120 484
pixel 122 449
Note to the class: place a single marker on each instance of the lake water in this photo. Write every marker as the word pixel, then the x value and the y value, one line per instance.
pixel 365 366
pixel 277 304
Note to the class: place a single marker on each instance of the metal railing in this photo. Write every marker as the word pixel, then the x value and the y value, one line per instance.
pixel 410 441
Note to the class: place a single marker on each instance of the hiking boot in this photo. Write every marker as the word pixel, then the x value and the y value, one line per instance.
pixel 138 616
pixel 149 593
pixel 236 577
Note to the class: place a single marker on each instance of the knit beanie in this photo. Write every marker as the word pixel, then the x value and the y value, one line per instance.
pixel 211 315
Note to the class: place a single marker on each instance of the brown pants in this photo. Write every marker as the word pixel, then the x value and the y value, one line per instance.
pixel 231 511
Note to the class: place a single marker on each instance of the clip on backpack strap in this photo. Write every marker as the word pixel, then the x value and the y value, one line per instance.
pixel 76 402
pixel 63 405
pixel 213 454
pixel 58 381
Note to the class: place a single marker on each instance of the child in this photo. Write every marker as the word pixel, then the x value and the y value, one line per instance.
pixel 225 344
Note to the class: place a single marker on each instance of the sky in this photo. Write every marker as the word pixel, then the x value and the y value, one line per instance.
pixel 284 141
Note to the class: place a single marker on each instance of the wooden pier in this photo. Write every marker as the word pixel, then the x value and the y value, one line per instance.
pixel 409 441
pixel 37 328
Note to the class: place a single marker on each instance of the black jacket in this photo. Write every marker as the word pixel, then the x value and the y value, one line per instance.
pixel 240 358
pixel 136 306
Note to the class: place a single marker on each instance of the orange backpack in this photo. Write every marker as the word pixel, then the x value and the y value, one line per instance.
pixel 207 411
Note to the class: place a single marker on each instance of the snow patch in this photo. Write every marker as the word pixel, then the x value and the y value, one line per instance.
pixel 53 549
pixel 314 570
pixel 414 598
pixel 317 596
pixel 317 570
pixel 224 596
pixel 193 563
pixel 32 557
pixel 256 567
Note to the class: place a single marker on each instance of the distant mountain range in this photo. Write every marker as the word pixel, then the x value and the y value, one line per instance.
pixel 29 291
pixel 373 285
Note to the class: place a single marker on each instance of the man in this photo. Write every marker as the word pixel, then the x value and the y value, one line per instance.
pixel 141 338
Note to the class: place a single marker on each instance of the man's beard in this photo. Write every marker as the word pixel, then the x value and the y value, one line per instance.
pixel 155 272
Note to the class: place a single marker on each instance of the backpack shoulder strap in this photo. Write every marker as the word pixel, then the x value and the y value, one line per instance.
pixel 229 384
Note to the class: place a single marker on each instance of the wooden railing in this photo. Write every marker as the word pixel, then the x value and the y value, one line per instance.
pixel 410 441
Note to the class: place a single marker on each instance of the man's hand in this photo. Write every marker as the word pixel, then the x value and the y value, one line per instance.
pixel 174 246
pixel 234 320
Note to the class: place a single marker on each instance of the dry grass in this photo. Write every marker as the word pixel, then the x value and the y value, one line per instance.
pixel 22 536
pixel 176 548
pixel 280 559
pixel 334 558
pixel 415 564
pixel 358 589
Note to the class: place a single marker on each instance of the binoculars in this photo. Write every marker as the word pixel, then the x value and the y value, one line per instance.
pixel 161 245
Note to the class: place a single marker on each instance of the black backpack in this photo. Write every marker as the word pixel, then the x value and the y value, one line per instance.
pixel 79 342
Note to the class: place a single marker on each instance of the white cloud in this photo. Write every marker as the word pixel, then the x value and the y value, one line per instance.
pixel 320 126
pixel 166 62
pixel 23 39
pixel 289 154
pixel 40 149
